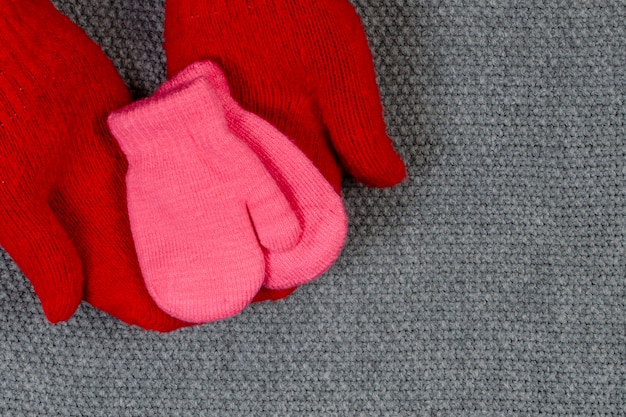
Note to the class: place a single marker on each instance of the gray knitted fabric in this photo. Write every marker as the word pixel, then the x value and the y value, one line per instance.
pixel 493 283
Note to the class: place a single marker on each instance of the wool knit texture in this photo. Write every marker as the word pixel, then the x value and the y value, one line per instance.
pixel 318 207
pixel 201 203
pixel 306 67
pixel 489 284
pixel 63 215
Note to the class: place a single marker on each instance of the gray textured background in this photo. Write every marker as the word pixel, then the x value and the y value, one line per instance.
pixel 491 284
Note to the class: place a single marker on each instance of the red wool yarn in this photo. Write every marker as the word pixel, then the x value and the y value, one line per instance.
pixel 63 215
pixel 305 66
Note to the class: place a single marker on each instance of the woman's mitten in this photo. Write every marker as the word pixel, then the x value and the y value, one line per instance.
pixel 304 66
pixel 63 216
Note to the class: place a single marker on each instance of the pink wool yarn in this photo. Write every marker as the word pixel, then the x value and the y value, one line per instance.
pixel 319 208
pixel 200 203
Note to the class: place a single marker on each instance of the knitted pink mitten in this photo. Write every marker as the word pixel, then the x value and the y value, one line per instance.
pixel 200 202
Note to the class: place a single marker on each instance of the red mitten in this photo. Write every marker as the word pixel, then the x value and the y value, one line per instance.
pixel 305 66
pixel 63 216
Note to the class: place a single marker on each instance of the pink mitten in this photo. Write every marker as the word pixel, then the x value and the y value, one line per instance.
pixel 319 208
pixel 200 204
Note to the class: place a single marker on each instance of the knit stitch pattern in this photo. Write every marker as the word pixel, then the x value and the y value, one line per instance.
pixel 201 203
pixel 62 194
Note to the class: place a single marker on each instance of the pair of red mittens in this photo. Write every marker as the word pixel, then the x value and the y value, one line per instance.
pixel 303 66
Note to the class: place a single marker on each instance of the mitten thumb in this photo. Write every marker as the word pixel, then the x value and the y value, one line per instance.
pixel 350 101
pixel 275 222
pixel 43 251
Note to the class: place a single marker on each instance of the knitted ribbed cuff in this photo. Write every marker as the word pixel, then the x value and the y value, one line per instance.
pixel 166 119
